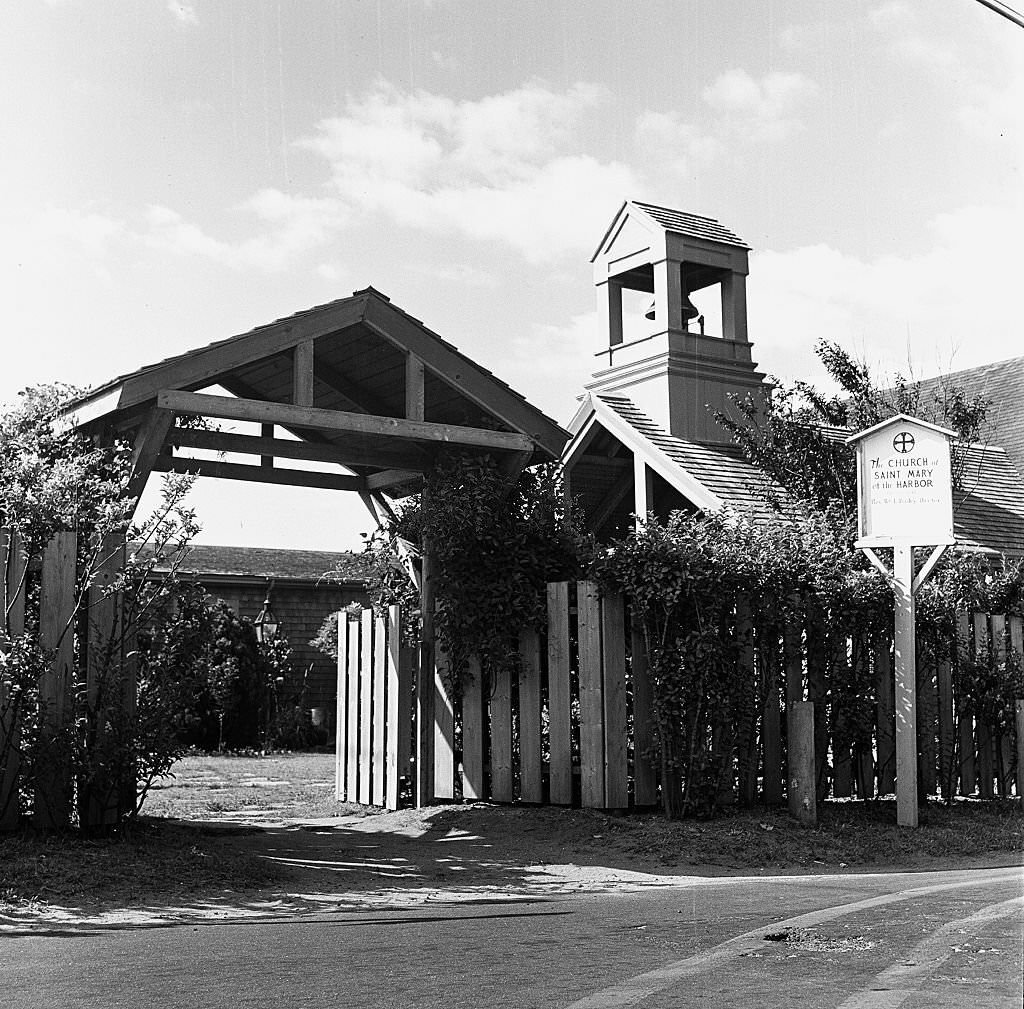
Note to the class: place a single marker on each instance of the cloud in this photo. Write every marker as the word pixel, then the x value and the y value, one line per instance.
pixel 674 143
pixel 929 312
pixel 291 225
pixel 761 109
pixel 185 13
pixel 504 168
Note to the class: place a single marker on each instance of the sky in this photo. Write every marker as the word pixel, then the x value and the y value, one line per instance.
pixel 173 173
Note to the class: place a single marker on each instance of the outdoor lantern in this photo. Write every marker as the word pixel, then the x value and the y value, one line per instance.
pixel 266 623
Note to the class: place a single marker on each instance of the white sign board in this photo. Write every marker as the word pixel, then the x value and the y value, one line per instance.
pixel 904 484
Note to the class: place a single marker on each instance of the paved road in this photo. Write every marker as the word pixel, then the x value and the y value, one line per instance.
pixel 853 942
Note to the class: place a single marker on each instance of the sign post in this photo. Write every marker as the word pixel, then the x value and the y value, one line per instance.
pixel 904 500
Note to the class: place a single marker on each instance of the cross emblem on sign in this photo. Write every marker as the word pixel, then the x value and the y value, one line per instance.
pixel 903 442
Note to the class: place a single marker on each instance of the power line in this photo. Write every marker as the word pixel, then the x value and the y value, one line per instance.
pixel 1007 12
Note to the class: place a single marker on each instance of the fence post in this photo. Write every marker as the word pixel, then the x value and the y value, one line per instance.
pixel 381 682
pixel 746 735
pixel 341 710
pixel 771 719
pixel 1019 712
pixel 613 655
pixel 444 728
pixel 645 782
pixel 531 771
pixel 965 724
pixel 947 736
pixel 99 795
pixel 802 791
pixel 352 732
pixel 502 782
pixel 559 695
pixel 473 735
pixel 591 700
pixel 886 718
pixel 13 571
pixel 1017 644
pixel 842 778
pixel 986 771
pixel 817 694
pixel 365 792
pixel 425 681
pixel 399 715
pixel 52 807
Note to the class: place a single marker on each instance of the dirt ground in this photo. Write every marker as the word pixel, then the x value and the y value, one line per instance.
pixel 240 837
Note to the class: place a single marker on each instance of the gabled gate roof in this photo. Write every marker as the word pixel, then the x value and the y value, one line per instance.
pixel 358 380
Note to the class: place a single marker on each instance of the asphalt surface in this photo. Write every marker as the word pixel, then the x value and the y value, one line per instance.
pixel 854 941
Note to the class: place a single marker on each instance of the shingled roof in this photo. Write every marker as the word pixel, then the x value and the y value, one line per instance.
pixel 1002 384
pixel 336 567
pixel 694 225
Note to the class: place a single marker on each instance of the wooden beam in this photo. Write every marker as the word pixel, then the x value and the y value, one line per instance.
pixel 390 478
pixel 263 411
pixel 149 441
pixel 342 454
pixel 266 434
pixel 259 474
pixel 415 398
pixel 302 373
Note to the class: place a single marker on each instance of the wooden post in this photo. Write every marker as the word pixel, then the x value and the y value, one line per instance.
pixel 947 737
pixel 842 779
pixel 425 682
pixel 473 733
pixel 302 374
pixel 13 570
pixel 817 692
pixel 99 794
pixel 1017 645
pixel 591 700
pixel 793 655
pixel 559 695
pixel 366 708
pixel 802 791
pixel 531 772
pixel 502 783
pixel 613 652
pixel 381 677
pixel 771 721
pixel 52 806
pixel 398 690
pixel 746 742
pixel 886 718
pixel 352 734
pixel 341 713
pixel 1019 713
pixel 965 726
pixel 645 782
pixel 444 728
pixel 983 729
pixel 906 693
pixel 927 705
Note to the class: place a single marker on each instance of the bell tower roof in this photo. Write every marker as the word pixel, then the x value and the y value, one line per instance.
pixel 679 221
pixel 684 366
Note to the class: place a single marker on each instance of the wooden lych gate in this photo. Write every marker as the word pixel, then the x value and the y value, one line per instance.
pixel 569 723
pixel 357 384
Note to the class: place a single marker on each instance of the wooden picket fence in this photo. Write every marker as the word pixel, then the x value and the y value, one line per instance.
pixel 572 726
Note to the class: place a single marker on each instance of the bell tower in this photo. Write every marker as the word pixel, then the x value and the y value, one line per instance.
pixel 663 358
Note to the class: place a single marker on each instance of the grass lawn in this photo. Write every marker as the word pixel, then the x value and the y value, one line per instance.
pixel 204 833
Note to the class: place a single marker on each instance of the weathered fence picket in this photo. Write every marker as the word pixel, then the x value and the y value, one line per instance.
pixel 559 696
pixel 531 771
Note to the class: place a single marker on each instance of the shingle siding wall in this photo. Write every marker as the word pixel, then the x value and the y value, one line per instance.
pixel 301 610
